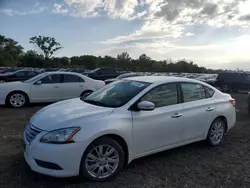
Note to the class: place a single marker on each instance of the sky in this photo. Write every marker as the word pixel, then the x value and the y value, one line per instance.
pixel 212 33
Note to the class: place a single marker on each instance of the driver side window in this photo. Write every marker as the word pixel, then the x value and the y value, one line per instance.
pixel 163 95
pixel 51 79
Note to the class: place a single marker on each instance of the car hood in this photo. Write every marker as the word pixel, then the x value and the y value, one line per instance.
pixel 67 113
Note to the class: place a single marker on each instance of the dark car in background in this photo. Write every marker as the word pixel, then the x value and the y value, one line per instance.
pixel 20 75
pixel 233 81
pixel 103 73
pixel 248 102
pixel 125 75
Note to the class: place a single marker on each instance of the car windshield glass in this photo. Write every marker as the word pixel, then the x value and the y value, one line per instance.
pixel 116 94
pixel 33 79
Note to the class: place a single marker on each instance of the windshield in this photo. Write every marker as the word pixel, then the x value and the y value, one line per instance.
pixel 116 94
pixel 33 79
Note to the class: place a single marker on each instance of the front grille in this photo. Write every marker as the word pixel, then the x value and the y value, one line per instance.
pixel 31 132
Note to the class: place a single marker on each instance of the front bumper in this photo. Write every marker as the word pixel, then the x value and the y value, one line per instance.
pixel 66 156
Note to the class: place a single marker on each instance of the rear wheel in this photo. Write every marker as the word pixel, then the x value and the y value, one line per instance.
pixel 102 160
pixel 17 99
pixel 216 132
pixel 2 81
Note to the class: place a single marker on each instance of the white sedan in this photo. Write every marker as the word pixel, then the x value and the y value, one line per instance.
pixel 47 87
pixel 123 121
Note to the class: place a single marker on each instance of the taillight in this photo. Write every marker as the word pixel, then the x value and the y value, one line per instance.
pixel 232 101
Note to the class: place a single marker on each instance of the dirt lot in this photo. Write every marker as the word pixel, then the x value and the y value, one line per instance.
pixel 192 166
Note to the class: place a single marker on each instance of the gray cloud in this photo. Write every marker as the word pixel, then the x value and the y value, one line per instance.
pixel 209 9
pixel 245 18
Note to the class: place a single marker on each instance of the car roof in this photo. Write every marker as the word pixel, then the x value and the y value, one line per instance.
pixel 161 79
pixel 61 72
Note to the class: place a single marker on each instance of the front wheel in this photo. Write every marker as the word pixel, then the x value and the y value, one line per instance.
pixel 216 132
pixel 17 99
pixel 102 160
pixel 2 81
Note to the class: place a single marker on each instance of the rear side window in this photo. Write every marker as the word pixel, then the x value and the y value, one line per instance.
pixel 51 79
pixel 193 92
pixel 209 92
pixel 72 78
pixel 164 95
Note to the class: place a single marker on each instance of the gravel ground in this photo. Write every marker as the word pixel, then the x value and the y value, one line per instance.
pixel 195 165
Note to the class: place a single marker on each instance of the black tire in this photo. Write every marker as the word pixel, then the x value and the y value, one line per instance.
pixel 2 81
pixel 209 140
pixel 107 142
pixel 25 97
pixel 86 93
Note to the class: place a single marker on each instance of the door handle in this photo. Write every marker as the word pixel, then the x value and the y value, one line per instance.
pixel 56 86
pixel 209 109
pixel 176 115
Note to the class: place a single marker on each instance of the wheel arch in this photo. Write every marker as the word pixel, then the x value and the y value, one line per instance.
pixel 222 117
pixel 120 140
pixel 15 91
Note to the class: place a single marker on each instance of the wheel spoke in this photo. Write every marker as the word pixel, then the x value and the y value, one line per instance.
pixel 99 172
pixel 109 151
pixel 109 168
pixel 91 157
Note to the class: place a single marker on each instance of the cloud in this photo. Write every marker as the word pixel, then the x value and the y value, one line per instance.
pixel 115 9
pixel 189 34
pixel 209 9
pixel 245 17
pixel 58 9
pixel 170 18
pixel 36 9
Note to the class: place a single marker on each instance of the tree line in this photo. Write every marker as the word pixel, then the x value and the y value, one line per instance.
pixel 12 54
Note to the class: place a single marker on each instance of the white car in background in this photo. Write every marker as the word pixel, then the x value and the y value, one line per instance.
pixel 123 121
pixel 47 87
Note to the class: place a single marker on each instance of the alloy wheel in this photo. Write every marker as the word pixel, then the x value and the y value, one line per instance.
pixel 102 161
pixel 217 132
pixel 17 100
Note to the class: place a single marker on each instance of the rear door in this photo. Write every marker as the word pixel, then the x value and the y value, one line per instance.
pixel 72 86
pixel 198 110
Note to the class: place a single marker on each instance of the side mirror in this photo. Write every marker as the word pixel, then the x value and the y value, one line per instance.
pixel 39 82
pixel 146 106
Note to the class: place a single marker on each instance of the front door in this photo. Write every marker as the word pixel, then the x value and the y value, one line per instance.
pixel 48 91
pixel 161 127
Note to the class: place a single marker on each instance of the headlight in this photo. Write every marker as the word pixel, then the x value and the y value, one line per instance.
pixel 60 136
